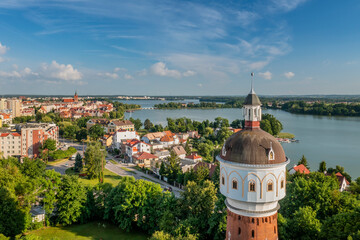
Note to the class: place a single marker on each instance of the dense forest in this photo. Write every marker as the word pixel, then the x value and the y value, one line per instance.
pixel 321 108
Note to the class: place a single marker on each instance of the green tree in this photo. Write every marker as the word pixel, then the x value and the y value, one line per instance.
pixel 322 167
pixel 137 123
pixel 266 126
pixel 71 197
pixel 78 163
pixel 13 218
pixel 95 160
pixel 82 134
pixel 303 161
pixel 49 144
pixel 96 131
pixel 276 125
pixel 148 124
pixel 197 204
pixel 134 201
pixel 187 147
pixel 304 224
pixel 236 123
pixel 342 225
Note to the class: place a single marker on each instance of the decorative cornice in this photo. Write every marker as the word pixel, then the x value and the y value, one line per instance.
pixel 253 165
pixel 252 212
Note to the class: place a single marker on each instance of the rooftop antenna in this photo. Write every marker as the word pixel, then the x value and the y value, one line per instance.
pixel 252 83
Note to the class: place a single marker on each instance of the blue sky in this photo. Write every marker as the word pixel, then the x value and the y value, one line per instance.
pixel 153 47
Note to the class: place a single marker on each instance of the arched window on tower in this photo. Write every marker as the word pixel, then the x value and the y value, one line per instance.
pixel 249 112
pixel 235 184
pixel 252 233
pixel 252 187
pixel 222 180
pixel 270 186
pixel 282 183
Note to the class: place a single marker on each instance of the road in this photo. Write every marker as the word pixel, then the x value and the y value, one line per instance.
pixel 64 144
pixel 118 168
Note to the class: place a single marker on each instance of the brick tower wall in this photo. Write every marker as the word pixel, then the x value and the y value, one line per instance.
pixel 252 228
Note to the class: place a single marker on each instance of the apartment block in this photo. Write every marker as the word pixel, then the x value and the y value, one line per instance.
pixel 25 140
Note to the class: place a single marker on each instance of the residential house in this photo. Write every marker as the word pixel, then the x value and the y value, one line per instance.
pixel 100 121
pixel 37 214
pixel 193 134
pixel 179 151
pixel 134 146
pixel 343 182
pixel 144 159
pixel 162 154
pixel 194 157
pixel 186 165
pixel 115 125
pixel 151 137
pixel 107 140
pixel 122 135
pixel 300 169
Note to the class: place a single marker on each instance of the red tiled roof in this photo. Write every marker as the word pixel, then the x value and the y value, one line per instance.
pixel 6 134
pixel 144 155
pixel 167 138
pixel 301 169
pixel 193 156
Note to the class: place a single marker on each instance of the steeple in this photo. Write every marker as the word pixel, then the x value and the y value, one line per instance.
pixel 252 108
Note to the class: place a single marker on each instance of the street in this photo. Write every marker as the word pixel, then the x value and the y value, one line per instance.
pixel 120 168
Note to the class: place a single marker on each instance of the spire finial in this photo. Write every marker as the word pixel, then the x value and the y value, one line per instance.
pixel 252 83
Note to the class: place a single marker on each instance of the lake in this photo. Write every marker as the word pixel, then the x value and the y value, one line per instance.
pixel 322 138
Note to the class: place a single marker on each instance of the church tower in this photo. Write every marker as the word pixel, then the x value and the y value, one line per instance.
pixel 252 177
pixel 76 98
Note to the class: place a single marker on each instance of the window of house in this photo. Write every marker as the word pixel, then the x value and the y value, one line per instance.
pixel 239 231
pixel 270 186
pixel 252 233
pixel 234 184
pixel 252 186
pixel 282 183
pixel 223 180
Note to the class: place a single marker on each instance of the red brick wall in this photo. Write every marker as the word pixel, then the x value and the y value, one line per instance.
pixel 252 124
pixel 241 227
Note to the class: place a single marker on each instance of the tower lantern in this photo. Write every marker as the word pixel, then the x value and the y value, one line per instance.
pixel 252 177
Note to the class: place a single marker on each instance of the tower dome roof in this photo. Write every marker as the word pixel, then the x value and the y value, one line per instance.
pixel 253 146
pixel 252 99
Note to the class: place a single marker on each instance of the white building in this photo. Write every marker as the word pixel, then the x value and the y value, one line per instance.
pixel 135 146
pixel 122 135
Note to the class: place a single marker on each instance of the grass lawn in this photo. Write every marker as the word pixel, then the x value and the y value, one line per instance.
pixel 89 231
pixel 285 135
pixel 128 170
pixel 52 163
pixel 113 161
pixel 109 177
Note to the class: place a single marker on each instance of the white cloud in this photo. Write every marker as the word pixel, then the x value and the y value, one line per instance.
pixel 246 18
pixel 118 69
pixel 189 73
pixel 109 75
pixel 28 71
pixel 160 69
pixel 199 85
pixel 14 74
pixel 61 71
pixel 286 5
pixel 289 75
pixel 128 76
pixel 3 49
pixel 266 75
pixel 2 59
